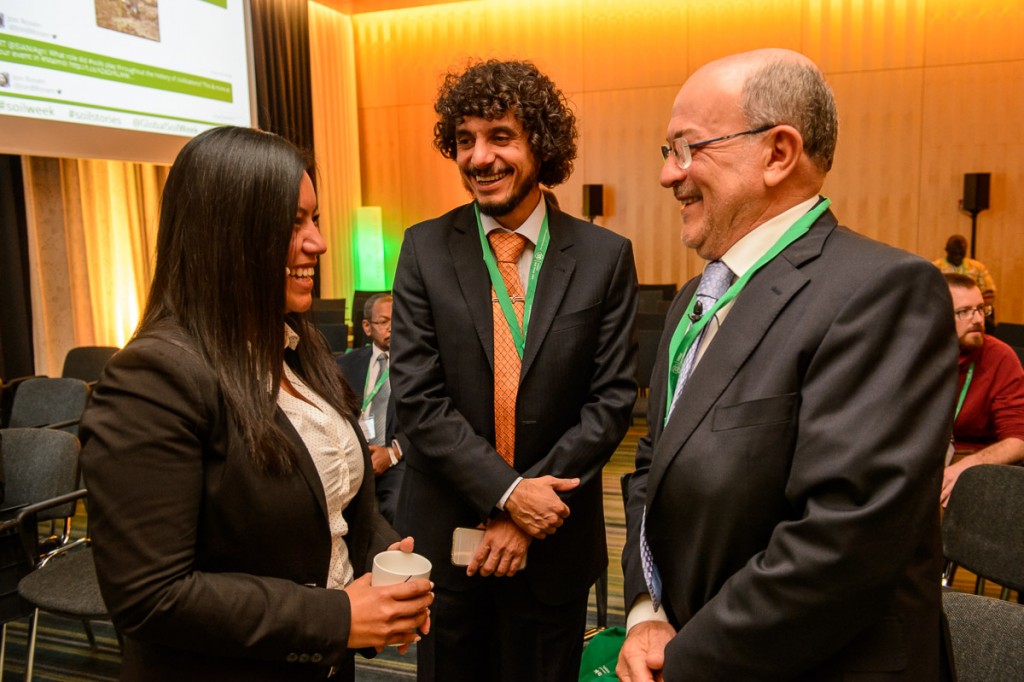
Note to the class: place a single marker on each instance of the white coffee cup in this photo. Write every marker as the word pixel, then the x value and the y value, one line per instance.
pixel 394 566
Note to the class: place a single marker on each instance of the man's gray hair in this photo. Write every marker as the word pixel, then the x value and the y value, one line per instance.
pixel 796 94
pixel 372 301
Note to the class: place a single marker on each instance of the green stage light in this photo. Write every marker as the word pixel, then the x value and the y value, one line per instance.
pixel 368 249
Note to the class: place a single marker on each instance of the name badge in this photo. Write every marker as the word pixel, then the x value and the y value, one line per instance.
pixel 369 430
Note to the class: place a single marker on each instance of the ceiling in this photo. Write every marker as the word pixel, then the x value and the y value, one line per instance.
pixel 361 6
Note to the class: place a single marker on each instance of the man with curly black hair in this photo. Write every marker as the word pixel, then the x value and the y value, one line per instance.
pixel 513 361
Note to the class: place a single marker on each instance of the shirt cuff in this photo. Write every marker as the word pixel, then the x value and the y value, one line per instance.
pixel 395 452
pixel 643 611
pixel 508 493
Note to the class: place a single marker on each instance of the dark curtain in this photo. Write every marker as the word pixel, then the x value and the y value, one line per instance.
pixel 16 357
pixel 280 32
pixel 284 100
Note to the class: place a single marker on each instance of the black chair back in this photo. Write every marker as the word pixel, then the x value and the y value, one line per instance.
pixel 987 636
pixel 87 362
pixel 50 403
pixel 982 528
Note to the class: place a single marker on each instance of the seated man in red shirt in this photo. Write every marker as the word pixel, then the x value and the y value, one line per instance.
pixel 990 409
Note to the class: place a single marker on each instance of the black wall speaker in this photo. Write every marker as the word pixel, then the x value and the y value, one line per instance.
pixel 593 200
pixel 976 191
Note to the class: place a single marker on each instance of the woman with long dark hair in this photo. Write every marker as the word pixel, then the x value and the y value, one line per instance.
pixel 232 505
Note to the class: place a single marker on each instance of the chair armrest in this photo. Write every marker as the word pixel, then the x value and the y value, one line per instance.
pixel 27 520
pixel 60 425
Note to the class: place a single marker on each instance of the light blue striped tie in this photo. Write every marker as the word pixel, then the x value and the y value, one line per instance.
pixel 713 284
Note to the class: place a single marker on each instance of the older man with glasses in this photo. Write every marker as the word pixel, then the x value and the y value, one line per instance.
pixel 781 520
pixel 367 371
pixel 989 422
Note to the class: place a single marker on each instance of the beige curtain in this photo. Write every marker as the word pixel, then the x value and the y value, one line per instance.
pixel 336 137
pixel 91 237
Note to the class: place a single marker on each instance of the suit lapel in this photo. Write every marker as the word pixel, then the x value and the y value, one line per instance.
pixel 754 311
pixel 555 273
pixel 305 460
pixel 464 247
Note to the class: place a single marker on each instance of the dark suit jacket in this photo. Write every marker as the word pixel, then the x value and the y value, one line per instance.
pixel 576 391
pixel 211 570
pixel 793 496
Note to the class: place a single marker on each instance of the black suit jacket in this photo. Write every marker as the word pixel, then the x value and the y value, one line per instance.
pixel 793 496
pixel 576 391
pixel 211 570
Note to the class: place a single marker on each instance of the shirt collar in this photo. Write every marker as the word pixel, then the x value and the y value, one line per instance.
pixel 530 227
pixel 375 353
pixel 744 253
pixel 291 339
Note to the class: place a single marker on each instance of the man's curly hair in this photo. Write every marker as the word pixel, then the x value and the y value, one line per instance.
pixel 494 88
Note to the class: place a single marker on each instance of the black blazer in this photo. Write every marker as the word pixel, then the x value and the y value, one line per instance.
pixel 211 570
pixel 577 390
pixel 793 498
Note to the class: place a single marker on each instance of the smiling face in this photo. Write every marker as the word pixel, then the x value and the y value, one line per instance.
pixel 306 246
pixel 722 194
pixel 498 167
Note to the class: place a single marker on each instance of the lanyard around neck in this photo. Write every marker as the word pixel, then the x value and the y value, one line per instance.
pixel 370 393
pixel 963 391
pixel 498 282
pixel 684 336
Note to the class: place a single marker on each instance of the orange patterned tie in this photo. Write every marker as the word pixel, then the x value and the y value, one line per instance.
pixel 508 247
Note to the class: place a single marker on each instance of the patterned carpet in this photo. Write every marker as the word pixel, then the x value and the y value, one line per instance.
pixel 63 653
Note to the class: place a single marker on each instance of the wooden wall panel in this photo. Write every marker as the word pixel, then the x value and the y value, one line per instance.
pixel 874 182
pixel 972 124
pixel 637 206
pixel 634 44
pixel 853 35
pixel 724 27
pixel 927 90
pixel 959 32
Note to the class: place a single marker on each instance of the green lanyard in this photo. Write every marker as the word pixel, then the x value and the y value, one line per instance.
pixel 372 393
pixel 518 335
pixel 963 391
pixel 684 336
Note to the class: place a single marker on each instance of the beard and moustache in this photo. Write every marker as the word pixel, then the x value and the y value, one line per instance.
pixel 502 207
pixel 972 339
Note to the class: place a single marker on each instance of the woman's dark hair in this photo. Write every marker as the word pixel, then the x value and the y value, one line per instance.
pixel 492 89
pixel 226 221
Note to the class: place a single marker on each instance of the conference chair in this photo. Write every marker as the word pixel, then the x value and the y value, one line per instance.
pixel 38 465
pixel 52 403
pixel 982 529
pixel 987 637
pixel 666 291
pixel 336 336
pixel 64 581
pixel 87 362
pixel 328 311
pixel 648 353
pixel 8 389
pixel 1010 333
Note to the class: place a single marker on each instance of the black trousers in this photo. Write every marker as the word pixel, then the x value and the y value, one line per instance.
pixel 499 632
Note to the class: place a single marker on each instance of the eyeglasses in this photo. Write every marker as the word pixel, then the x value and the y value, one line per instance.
pixel 964 314
pixel 682 149
pixel 386 322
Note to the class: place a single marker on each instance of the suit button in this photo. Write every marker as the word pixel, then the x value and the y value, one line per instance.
pixel 291 658
pixel 316 658
pixel 304 658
